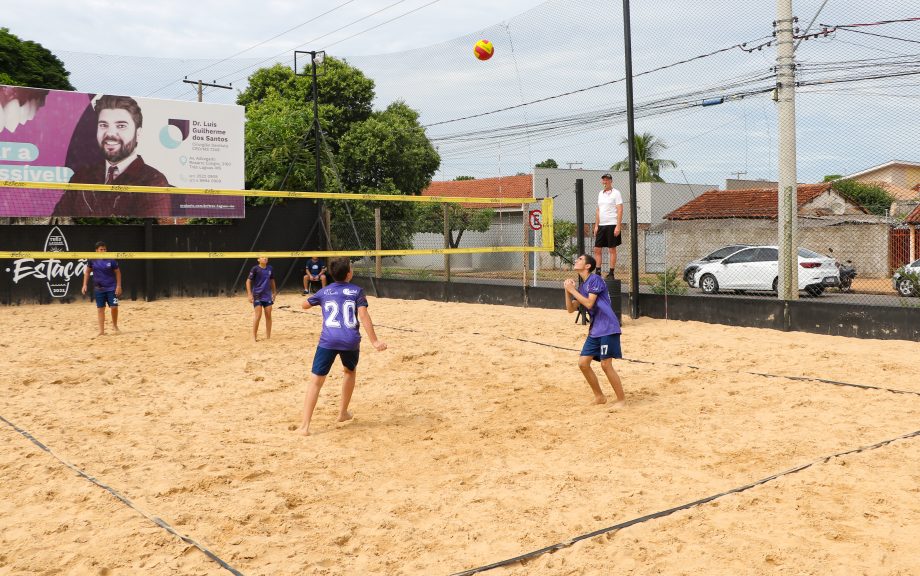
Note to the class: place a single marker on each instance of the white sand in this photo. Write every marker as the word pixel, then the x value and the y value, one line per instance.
pixel 467 446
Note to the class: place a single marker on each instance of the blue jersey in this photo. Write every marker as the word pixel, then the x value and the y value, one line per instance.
pixel 603 321
pixel 315 266
pixel 340 302
pixel 262 282
pixel 103 274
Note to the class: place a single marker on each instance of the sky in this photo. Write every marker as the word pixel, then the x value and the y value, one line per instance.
pixel 420 51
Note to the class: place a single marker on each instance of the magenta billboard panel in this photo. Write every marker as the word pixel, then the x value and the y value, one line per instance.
pixel 58 137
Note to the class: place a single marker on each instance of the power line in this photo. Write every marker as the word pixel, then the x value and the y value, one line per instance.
pixel 304 23
pixel 382 23
pixel 879 35
pixel 270 58
pixel 743 46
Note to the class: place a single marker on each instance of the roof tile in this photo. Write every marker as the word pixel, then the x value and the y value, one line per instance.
pixel 747 203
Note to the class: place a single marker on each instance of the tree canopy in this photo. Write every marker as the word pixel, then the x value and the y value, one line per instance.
pixel 27 63
pixel 548 163
pixel 363 150
pixel 873 198
pixel 648 163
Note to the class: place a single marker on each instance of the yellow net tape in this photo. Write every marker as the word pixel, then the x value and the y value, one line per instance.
pixel 546 208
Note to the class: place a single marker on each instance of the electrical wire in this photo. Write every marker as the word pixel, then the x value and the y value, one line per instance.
pixel 275 37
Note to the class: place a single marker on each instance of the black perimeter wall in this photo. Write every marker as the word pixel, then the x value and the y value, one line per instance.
pixel 292 227
pixel 287 227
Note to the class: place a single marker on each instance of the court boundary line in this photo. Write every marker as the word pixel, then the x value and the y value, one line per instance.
pixel 124 499
pixel 662 513
pixel 288 308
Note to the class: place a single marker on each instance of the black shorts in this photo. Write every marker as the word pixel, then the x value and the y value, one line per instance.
pixel 606 238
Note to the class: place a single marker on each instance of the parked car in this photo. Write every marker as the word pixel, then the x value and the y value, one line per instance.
pixel 691 267
pixel 903 285
pixel 757 268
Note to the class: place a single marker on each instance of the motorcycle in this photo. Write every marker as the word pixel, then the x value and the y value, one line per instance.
pixel 847 273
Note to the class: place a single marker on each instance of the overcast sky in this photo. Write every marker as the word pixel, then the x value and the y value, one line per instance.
pixel 421 52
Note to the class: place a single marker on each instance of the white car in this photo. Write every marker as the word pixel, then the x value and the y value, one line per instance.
pixel 691 267
pixel 903 285
pixel 757 268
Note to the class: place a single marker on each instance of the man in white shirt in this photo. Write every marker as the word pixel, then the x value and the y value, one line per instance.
pixel 607 223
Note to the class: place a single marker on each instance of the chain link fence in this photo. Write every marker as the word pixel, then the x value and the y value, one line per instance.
pixel 709 142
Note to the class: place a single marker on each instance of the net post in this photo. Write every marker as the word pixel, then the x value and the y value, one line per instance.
pixel 446 211
pixel 378 235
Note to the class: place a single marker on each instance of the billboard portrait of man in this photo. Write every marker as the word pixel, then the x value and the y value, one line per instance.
pixel 119 122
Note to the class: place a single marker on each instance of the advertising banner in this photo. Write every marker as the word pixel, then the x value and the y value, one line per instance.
pixel 58 137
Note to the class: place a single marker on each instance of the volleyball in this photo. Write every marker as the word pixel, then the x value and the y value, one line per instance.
pixel 483 50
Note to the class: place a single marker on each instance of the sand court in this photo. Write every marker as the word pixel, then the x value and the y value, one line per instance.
pixel 473 441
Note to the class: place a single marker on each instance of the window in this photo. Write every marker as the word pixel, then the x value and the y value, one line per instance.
pixel 806 253
pixel 766 255
pixel 741 257
pixel 723 252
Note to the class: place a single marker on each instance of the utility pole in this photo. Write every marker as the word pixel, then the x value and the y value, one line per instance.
pixel 316 58
pixel 631 138
pixel 201 86
pixel 787 202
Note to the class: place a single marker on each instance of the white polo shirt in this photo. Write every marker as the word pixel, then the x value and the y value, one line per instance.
pixel 607 202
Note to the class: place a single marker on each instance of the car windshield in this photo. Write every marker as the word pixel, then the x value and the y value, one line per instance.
pixel 806 253
pixel 723 252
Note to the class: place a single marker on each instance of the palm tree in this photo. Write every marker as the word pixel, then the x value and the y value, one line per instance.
pixel 648 164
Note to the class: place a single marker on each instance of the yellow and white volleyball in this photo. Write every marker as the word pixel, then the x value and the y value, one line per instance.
pixel 483 50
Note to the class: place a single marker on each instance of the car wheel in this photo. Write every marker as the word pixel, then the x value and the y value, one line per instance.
pixel 709 284
pixel 776 285
pixel 815 291
pixel 906 287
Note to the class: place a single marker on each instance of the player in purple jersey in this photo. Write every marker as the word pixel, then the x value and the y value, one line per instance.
pixel 106 286
pixel 603 341
pixel 344 311
pixel 260 286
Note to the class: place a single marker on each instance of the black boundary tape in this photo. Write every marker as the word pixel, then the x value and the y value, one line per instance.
pixel 761 374
pixel 669 511
pixel 158 521
pixel 678 365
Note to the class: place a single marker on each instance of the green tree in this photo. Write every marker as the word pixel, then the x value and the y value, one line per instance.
pixel 648 163
pixel 565 240
pixel 364 151
pixel 26 63
pixel 462 178
pixel 873 198
pixel 459 220
pixel 548 163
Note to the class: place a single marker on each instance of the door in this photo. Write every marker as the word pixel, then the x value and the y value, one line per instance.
pixel 655 252
pixel 764 268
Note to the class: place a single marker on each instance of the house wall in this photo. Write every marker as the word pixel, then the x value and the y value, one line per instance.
pixel 865 244
pixel 905 176
pixel 830 202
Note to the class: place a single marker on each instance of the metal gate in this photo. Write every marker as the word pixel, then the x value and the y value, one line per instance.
pixel 654 252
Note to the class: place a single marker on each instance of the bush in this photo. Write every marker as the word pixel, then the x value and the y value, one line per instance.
pixel 875 199
pixel 670 282
pixel 565 242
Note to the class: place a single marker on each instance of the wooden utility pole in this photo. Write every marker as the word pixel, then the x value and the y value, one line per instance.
pixel 201 86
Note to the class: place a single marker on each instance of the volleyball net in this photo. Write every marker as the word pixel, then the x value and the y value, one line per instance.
pixel 398 227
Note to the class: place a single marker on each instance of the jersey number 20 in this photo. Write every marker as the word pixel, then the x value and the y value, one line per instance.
pixel 348 314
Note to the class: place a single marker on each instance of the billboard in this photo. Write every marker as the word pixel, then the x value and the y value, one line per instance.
pixel 57 136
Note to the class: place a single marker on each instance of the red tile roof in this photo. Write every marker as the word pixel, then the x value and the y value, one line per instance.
pixel 913 217
pixel 504 187
pixel 748 203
